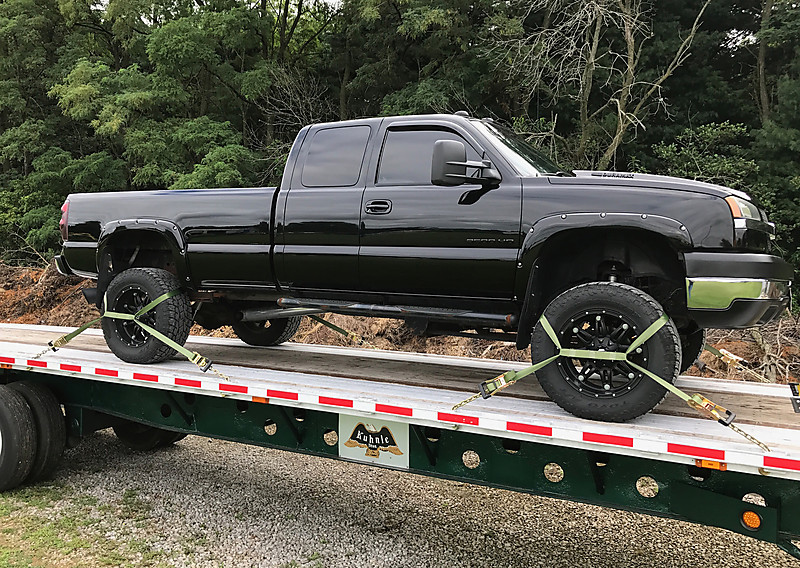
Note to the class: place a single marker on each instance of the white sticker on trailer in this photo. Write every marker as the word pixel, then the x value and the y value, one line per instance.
pixel 373 441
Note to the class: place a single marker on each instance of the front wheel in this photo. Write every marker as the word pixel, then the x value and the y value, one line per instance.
pixel 606 316
pixel 266 333
pixel 129 292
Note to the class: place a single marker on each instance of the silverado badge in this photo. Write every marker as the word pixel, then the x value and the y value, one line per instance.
pixel 374 441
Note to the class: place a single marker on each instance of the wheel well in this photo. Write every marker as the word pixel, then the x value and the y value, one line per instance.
pixel 639 258
pixel 636 257
pixel 134 249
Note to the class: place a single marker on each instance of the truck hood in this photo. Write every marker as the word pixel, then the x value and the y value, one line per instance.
pixel 591 178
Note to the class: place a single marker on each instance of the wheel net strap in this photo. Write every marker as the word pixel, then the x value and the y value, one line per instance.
pixel 202 362
pixel 698 402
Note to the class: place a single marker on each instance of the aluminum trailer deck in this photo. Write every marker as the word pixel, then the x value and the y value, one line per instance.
pixel 394 410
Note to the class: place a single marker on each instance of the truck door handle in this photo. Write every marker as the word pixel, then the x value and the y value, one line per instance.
pixel 378 207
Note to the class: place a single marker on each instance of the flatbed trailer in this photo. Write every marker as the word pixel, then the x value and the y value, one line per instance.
pixel 394 409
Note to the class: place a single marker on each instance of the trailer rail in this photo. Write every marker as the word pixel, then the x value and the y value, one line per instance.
pixel 394 410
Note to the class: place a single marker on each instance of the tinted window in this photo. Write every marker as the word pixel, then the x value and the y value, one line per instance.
pixel 407 154
pixel 335 156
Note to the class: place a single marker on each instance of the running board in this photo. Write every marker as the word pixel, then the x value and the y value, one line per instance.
pixel 402 312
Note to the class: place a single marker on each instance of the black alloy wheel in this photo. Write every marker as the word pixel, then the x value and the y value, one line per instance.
pixel 267 333
pixel 601 330
pixel 606 316
pixel 130 300
pixel 129 292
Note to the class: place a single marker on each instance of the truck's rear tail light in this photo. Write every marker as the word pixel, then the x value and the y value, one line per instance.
pixel 63 223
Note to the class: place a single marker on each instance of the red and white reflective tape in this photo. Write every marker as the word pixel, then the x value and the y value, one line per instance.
pixel 681 449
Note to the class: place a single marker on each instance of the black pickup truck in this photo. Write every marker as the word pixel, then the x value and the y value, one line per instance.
pixel 455 225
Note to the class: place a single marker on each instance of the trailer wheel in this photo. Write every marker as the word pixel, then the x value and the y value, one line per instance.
pixel 264 334
pixel 170 438
pixel 51 427
pixel 144 438
pixel 129 292
pixel 692 342
pixel 608 316
pixel 17 438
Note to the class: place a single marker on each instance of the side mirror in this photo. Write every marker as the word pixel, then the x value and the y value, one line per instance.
pixel 449 163
pixel 449 166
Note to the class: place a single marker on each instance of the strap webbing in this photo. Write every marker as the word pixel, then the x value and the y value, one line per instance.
pixel 698 402
pixel 192 356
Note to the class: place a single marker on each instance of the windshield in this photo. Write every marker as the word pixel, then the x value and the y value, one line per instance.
pixel 527 160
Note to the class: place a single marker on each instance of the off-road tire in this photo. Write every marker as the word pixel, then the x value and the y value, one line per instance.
pixel 144 438
pixel 172 317
pixel 17 438
pixel 51 428
pixel 608 300
pixel 264 334
pixel 692 342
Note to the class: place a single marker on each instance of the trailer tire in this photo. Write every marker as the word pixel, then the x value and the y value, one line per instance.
pixel 17 438
pixel 144 438
pixel 51 428
pixel 170 438
pixel 265 334
pixel 130 291
pixel 606 315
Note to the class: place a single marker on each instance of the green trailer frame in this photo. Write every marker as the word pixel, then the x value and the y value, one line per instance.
pixel 598 465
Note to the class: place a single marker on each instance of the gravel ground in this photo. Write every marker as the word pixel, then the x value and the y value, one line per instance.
pixel 209 503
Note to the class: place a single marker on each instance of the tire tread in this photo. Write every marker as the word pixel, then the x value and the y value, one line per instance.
pixel 618 413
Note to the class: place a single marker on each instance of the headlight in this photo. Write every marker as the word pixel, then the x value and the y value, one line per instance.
pixel 742 209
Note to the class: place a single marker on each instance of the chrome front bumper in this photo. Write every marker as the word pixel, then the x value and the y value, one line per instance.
pixel 736 290
pixel 714 293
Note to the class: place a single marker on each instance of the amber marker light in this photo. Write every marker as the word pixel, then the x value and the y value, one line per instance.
pixel 734 206
pixel 751 520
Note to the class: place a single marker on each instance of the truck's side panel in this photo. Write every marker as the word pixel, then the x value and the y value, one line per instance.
pixel 422 239
pixel 318 248
pixel 224 233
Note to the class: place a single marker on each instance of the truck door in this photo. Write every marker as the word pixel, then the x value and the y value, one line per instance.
pixel 422 239
pixel 320 225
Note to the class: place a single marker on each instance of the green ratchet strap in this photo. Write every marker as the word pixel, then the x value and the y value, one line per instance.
pixel 354 337
pixel 698 402
pixel 203 363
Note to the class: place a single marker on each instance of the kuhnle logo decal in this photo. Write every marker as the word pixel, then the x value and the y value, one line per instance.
pixel 375 441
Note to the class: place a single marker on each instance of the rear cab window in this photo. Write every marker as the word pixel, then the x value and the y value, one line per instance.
pixel 335 157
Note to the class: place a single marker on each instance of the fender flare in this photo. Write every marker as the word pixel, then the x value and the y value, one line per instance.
pixel 544 229
pixel 167 230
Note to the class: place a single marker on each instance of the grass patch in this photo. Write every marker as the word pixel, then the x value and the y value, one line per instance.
pixel 40 495
pixel 10 558
pixel 51 526
pixel 133 507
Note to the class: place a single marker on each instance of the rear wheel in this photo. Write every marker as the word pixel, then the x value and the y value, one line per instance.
pixel 266 333
pixel 606 316
pixel 128 293
pixel 51 428
pixel 17 438
pixel 143 438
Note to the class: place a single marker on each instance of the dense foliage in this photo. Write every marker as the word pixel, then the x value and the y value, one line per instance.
pixel 107 95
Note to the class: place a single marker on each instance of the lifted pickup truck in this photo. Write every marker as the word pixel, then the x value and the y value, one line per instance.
pixel 456 225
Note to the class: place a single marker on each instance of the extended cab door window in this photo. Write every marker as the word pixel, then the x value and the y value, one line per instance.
pixel 320 236
pixel 406 156
pixel 425 240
